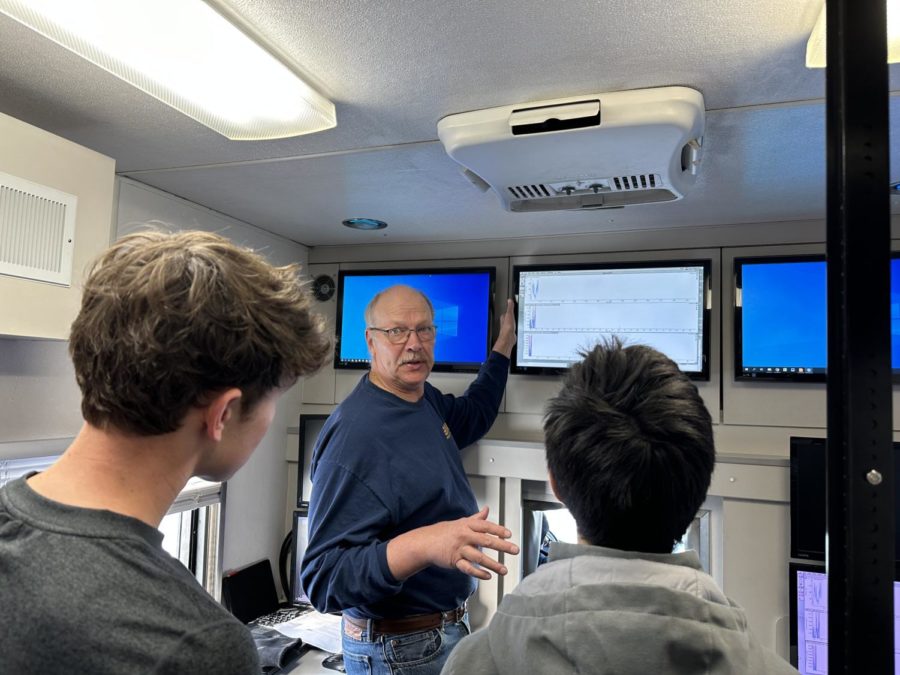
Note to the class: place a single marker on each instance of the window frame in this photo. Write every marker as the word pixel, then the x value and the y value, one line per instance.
pixel 200 506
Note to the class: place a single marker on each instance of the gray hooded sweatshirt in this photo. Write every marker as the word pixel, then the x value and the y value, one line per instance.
pixel 600 610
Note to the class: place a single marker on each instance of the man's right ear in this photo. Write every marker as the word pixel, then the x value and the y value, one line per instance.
pixel 220 410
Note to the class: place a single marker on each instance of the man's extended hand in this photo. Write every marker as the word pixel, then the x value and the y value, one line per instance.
pixel 459 545
pixel 507 337
pixel 453 544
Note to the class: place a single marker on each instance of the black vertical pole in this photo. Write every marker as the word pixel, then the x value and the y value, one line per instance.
pixel 860 456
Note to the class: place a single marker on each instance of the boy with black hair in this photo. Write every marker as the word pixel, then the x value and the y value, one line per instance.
pixel 630 452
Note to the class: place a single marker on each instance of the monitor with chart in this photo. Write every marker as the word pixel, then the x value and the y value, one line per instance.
pixel 809 618
pixel 563 310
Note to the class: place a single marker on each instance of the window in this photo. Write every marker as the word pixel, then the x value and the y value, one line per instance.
pixel 191 529
pixel 541 512
pixel 562 525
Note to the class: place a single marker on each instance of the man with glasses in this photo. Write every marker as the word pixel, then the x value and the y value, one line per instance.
pixel 395 533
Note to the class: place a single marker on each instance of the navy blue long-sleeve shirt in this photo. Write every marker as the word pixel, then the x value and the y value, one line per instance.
pixel 383 466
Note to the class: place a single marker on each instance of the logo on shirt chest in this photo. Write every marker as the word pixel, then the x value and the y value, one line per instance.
pixel 446 431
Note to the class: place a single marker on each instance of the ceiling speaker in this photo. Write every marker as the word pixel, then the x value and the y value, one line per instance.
pixel 323 287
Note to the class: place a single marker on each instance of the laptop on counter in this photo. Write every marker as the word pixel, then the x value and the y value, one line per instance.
pixel 250 594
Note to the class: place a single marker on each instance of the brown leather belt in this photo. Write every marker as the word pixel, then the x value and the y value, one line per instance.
pixel 407 624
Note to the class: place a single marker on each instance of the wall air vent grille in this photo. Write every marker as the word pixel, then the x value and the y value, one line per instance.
pixel 529 191
pixel 37 231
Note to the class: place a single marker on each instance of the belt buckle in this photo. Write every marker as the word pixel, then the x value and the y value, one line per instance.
pixel 454 615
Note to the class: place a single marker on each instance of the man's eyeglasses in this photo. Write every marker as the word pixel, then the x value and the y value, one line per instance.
pixel 398 335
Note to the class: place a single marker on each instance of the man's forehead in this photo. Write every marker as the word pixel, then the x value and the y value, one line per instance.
pixel 401 301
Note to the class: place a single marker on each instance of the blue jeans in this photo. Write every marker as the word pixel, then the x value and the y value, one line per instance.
pixel 422 653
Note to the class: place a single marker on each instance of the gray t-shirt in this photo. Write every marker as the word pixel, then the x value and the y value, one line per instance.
pixel 92 591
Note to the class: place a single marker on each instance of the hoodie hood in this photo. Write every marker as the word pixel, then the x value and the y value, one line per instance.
pixel 597 610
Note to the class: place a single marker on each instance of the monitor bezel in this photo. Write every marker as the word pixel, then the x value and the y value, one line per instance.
pixel 704 263
pixel 302 511
pixel 817 556
pixel 737 288
pixel 794 480
pixel 305 448
pixel 804 566
pixel 738 318
pixel 793 568
pixel 439 366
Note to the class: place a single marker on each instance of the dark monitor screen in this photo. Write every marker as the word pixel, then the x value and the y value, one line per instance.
pixel 462 299
pixel 249 592
pixel 809 618
pixel 300 540
pixel 308 433
pixel 563 310
pixel 808 498
pixel 780 315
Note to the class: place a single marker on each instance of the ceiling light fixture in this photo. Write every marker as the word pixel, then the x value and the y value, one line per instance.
pixel 365 223
pixel 187 55
pixel 815 47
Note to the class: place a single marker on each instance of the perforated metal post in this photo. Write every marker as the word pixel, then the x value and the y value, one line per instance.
pixel 860 455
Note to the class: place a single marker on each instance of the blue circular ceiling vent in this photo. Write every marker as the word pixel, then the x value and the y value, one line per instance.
pixel 365 224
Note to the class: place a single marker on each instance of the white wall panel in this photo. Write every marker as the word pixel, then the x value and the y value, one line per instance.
pixel 320 388
pixel 39 397
pixel 765 403
pixel 38 309
pixel 757 539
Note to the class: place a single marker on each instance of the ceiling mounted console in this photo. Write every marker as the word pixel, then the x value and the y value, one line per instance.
pixel 586 152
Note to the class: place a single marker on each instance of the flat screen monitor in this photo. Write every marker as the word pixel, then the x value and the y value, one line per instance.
pixel 809 618
pixel 780 316
pixel 300 533
pixel 462 299
pixel 808 499
pixel 563 310
pixel 249 592
pixel 308 433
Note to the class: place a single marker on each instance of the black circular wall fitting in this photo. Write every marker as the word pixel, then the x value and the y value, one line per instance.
pixel 323 287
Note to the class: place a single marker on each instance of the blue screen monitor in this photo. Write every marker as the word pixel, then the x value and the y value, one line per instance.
pixel 563 310
pixel 462 299
pixel 781 319
pixel 809 619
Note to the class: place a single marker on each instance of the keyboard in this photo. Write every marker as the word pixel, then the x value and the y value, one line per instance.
pixel 281 616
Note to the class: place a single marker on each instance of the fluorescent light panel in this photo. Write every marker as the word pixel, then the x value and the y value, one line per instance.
pixel 815 48
pixel 187 55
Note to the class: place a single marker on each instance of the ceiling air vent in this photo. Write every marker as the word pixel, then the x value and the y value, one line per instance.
pixel 529 191
pixel 37 231
pixel 578 153
pixel 642 181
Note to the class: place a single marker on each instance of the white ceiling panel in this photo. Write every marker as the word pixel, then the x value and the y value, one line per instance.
pixel 394 68
pixel 774 158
